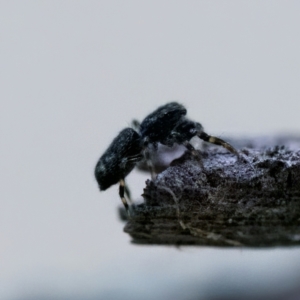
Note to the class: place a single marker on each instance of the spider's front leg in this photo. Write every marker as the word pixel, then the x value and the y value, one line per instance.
pixel 214 140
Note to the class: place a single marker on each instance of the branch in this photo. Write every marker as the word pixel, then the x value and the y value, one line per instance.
pixel 253 201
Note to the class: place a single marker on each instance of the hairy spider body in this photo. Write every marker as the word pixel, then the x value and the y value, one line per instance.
pixel 119 159
pixel 167 125
pixel 157 126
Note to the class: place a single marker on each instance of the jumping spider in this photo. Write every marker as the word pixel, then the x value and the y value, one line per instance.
pixel 167 125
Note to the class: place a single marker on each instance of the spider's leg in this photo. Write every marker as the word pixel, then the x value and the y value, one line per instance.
pixel 131 159
pixel 214 140
pixel 193 151
pixel 149 162
pixel 136 124
pixel 123 189
pixel 127 193
pixel 191 148
pixel 121 193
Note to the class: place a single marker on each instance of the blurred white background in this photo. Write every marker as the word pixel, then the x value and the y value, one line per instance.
pixel 72 75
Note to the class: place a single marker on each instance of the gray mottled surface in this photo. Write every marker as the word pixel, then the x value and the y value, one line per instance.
pixel 225 201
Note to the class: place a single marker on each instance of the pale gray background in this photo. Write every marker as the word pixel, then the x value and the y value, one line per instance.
pixel 73 74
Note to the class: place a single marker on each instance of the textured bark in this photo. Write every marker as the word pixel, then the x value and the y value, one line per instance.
pixel 224 201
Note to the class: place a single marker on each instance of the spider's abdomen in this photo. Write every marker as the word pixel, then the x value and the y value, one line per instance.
pixel 113 165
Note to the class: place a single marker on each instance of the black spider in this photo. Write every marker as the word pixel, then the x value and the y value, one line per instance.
pixel 167 125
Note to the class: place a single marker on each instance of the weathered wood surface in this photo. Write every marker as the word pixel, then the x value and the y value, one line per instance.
pixel 253 201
